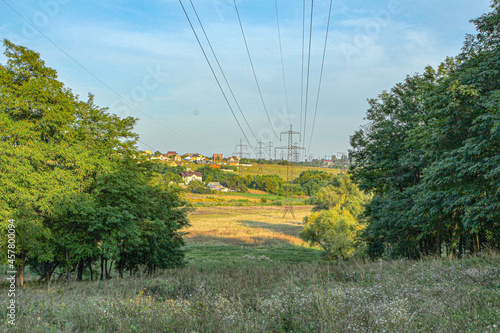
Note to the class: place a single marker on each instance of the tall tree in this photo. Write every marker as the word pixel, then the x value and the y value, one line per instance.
pixel 430 153
pixel 56 153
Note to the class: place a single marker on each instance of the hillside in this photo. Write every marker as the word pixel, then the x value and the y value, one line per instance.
pixel 248 272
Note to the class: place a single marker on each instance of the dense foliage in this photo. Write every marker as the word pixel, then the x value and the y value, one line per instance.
pixel 71 180
pixel 335 222
pixel 431 155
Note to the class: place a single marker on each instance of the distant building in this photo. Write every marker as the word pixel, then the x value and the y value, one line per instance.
pixel 196 157
pixel 217 157
pixel 175 164
pixel 171 154
pixel 214 166
pixel 327 163
pixel 234 159
pixel 191 176
pixel 216 186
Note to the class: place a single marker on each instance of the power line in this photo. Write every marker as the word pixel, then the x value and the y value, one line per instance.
pixel 281 55
pixel 94 76
pixel 253 69
pixel 308 68
pixel 147 145
pixel 320 75
pixel 215 76
pixel 302 66
pixel 220 68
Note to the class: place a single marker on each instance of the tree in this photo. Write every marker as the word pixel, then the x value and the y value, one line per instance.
pixel 389 164
pixel 430 153
pixel 334 230
pixel 55 153
pixel 335 224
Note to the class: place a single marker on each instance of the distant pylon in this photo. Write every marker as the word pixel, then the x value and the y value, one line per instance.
pixel 291 157
pixel 241 146
pixel 261 149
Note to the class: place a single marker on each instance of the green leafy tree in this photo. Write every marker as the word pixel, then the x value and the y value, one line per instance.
pixel 336 222
pixel 430 153
pixel 335 230
pixel 59 160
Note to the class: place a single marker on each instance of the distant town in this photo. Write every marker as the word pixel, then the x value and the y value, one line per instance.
pixel 174 159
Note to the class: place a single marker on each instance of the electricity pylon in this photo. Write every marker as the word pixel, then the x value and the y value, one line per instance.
pixel 291 157
pixel 241 146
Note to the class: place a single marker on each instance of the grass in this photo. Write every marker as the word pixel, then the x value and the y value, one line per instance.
pixel 253 198
pixel 245 226
pixel 271 169
pixel 248 271
pixel 281 170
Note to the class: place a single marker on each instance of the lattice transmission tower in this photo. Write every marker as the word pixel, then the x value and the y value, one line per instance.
pixel 241 150
pixel 291 157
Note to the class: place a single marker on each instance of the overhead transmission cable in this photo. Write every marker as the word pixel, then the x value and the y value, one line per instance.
pixel 320 76
pixel 215 76
pixel 282 65
pixel 308 70
pixel 144 143
pixel 302 64
pixel 94 76
pixel 220 68
pixel 253 70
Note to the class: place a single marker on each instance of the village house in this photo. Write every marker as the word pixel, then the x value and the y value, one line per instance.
pixel 196 157
pixel 216 186
pixel 234 159
pixel 147 153
pixel 161 157
pixel 327 163
pixel 217 157
pixel 171 154
pixel 191 176
pixel 175 164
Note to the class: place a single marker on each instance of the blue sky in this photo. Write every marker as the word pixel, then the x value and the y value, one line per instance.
pixel 141 59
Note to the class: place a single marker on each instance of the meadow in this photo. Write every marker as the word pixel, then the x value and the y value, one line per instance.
pixel 270 169
pixel 251 198
pixel 247 271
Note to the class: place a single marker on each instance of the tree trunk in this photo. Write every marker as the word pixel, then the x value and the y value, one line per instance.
pixel 102 267
pixel 49 271
pixel 91 270
pixel 20 270
pixel 68 271
pixel 108 271
pixel 80 271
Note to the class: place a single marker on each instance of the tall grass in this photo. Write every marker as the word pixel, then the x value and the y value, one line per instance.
pixel 434 295
pixel 248 272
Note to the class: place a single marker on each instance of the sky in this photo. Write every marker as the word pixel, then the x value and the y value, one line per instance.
pixel 142 59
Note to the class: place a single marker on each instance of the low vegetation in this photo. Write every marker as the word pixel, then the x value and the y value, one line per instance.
pixel 248 271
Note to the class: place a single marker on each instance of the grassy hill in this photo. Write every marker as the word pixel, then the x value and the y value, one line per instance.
pixel 271 169
pixel 248 271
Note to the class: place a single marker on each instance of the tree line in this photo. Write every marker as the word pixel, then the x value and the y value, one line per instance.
pixel 73 181
pixel 430 154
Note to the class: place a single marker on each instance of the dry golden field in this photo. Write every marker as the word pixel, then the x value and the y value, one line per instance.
pixel 251 225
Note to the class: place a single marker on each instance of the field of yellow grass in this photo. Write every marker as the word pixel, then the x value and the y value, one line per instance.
pixel 246 226
pixel 271 169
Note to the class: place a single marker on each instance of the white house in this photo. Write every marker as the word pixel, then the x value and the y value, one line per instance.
pixel 191 176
